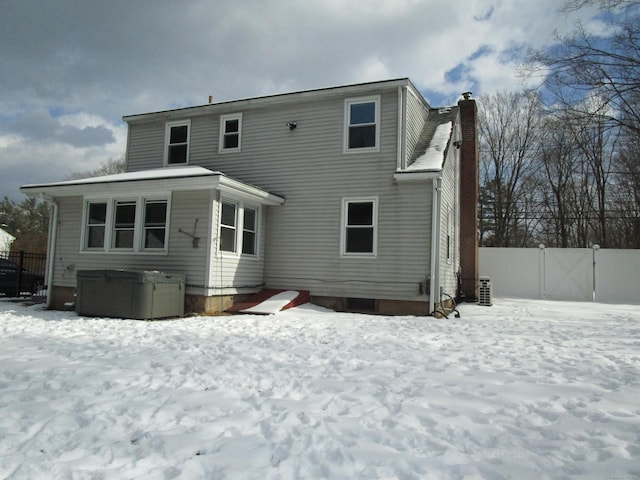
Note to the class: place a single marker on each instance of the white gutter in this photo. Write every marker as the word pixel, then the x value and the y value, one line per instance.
pixel 51 248
pixel 434 284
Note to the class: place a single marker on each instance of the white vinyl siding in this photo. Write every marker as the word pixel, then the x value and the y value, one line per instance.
pixel 299 242
pixel 183 210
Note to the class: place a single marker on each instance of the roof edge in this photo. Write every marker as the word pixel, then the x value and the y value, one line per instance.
pixel 275 98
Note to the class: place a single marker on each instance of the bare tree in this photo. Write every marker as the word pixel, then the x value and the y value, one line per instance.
pixel 108 167
pixel 509 131
pixel 604 69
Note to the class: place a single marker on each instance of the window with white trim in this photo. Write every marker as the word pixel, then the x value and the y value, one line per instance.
pixel 228 221
pixel 249 230
pixel 95 225
pixel 449 223
pixel 239 228
pixel 362 124
pixel 230 132
pixel 177 143
pixel 126 225
pixel 359 227
pixel 154 227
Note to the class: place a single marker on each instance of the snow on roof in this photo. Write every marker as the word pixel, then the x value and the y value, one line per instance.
pixel 433 157
pixel 168 179
pixel 155 174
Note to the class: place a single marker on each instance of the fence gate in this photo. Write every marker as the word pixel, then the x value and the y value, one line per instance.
pixel 582 274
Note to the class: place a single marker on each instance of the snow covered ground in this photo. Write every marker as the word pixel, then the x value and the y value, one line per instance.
pixel 522 390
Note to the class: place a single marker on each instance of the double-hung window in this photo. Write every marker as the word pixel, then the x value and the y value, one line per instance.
pixel 359 227
pixel 96 224
pixel 228 221
pixel 155 224
pixel 177 143
pixel 362 124
pixel 230 133
pixel 249 230
pixel 126 225
pixel 238 228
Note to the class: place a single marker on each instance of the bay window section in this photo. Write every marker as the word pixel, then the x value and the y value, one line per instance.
pixel 249 230
pixel 239 228
pixel 228 218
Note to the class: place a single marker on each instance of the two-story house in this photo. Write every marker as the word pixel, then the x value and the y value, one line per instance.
pixel 352 193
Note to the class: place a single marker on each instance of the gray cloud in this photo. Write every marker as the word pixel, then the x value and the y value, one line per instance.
pixel 112 58
pixel 40 126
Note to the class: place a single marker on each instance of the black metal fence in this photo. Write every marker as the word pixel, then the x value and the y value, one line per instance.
pixel 22 273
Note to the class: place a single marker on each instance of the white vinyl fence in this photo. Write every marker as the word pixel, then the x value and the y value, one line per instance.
pixel 583 274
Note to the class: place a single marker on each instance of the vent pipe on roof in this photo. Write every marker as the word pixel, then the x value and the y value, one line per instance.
pixel 210 99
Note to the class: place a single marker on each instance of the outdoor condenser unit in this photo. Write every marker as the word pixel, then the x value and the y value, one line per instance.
pixel 484 297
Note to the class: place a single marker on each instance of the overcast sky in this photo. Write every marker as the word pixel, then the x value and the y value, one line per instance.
pixel 70 69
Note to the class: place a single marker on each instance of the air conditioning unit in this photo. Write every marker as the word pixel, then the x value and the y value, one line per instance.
pixel 484 296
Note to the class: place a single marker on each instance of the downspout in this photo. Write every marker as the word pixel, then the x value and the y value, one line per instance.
pixel 434 284
pixel 51 248
pixel 401 130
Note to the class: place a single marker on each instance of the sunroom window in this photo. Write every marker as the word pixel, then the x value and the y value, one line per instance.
pixel 96 224
pixel 126 225
pixel 249 231
pixel 155 223
pixel 238 228
pixel 228 219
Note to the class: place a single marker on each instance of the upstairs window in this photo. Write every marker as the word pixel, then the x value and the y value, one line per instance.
pixel 177 152
pixel 359 227
pixel 362 124
pixel 230 132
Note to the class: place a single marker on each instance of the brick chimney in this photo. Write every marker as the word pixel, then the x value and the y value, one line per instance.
pixel 469 198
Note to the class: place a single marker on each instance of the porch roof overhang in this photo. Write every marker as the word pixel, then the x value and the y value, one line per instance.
pixel 416 175
pixel 163 179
